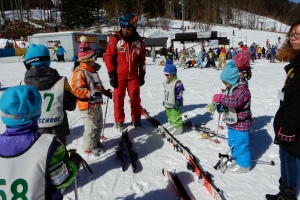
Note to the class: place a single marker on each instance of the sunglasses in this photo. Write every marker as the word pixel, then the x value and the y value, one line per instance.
pixel 295 35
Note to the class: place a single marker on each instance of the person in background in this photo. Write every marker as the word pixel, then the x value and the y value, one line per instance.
pixel 60 54
pixel 55 49
pixel 125 60
pixel 89 89
pixel 286 122
pixel 37 164
pixel 222 58
pixel 153 54
pixel 54 89
pixel 176 57
pixel 272 54
pixel 236 101
pixel 173 89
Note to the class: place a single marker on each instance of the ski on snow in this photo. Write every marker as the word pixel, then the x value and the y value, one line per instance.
pixel 192 164
pixel 176 184
pixel 204 133
pixel 153 121
pixel 132 154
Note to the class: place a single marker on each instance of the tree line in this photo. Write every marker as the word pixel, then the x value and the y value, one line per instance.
pixel 84 13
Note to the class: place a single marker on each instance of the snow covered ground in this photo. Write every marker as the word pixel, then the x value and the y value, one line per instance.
pixel 154 152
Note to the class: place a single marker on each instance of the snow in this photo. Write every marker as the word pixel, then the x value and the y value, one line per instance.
pixel 155 153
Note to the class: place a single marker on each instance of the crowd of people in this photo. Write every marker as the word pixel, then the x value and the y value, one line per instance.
pixel 214 57
pixel 37 124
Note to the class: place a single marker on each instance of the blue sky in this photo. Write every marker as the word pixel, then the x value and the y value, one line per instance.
pixel 298 1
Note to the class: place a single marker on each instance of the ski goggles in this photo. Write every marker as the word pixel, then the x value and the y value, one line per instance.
pixel 125 22
pixel 28 62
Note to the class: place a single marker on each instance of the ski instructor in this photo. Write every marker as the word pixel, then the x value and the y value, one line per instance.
pixel 125 60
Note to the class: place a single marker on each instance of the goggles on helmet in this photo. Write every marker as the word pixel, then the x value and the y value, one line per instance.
pixel 125 22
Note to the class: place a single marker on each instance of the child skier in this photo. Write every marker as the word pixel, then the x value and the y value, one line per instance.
pixel 37 164
pixel 173 101
pixel 241 61
pixel 236 100
pixel 89 89
pixel 199 60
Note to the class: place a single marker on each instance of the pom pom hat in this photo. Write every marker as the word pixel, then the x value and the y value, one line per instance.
pixel 85 53
pixel 230 74
pixel 20 105
pixel 37 56
pixel 241 61
pixel 170 68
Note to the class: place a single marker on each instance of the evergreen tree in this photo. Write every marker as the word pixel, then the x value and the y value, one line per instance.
pixel 79 13
pixel 154 8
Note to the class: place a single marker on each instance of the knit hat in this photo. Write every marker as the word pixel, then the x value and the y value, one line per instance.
pixel 37 56
pixel 170 68
pixel 241 61
pixel 20 105
pixel 85 52
pixel 230 74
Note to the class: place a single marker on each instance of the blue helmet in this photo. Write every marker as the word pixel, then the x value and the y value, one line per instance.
pixel 128 20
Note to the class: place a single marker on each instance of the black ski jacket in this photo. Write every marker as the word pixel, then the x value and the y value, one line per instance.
pixel 288 114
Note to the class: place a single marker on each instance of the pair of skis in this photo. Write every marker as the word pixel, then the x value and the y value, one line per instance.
pixel 132 154
pixel 193 164
pixel 176 184
pixel 205 133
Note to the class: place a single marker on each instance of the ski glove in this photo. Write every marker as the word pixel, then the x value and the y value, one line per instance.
pixel 141 78
pixel 219 107
pixel 211 108
pixel 113 79
pixel 217 98
pixel 95 94
pixel 108 93
pixel 75 157
pixel 285 135
pixel 177 104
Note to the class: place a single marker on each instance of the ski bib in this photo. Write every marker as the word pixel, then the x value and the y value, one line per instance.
pixel 169 100
pixel 24 176
pixel 52 105
pixel 230 116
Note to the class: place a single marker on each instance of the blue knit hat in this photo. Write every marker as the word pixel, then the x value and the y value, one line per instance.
pixel 37 56
pixel 230 74
pixel 170 68
pixel 20 105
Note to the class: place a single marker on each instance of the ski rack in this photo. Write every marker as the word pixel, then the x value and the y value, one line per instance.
pixel 193 164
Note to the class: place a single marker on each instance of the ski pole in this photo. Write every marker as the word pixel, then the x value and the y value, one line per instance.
pixel 264 162
pixel 102 137
pixel 75 190
pixel 218 123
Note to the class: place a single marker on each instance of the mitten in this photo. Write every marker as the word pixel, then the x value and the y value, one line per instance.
pixel 113 79
pixel 141 78
pixel 95 94
pixel 177 104
pixel 285 135
pixel 108 93
pixel 217 98
pixel 211 108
